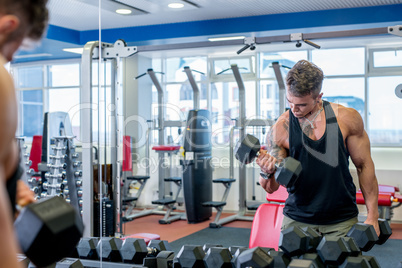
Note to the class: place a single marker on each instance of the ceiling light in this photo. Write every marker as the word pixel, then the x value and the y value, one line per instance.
pixel 176 5
pixel 32 56
pixel 77 50
pixel 216 39
pixel 123 11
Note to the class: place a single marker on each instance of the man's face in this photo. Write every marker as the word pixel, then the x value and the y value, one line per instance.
pixel 301 106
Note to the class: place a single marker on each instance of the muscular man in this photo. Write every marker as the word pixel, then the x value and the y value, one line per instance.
pixel 322 136
pixel 19 20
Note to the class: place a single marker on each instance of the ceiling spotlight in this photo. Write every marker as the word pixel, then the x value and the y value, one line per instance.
pixel 176 5
pixel 123 11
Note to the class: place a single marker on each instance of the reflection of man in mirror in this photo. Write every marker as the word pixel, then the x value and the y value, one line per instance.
pixel 20 20
pixel 322 136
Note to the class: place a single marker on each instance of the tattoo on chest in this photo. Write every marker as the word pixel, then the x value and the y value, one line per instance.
pixel 307 130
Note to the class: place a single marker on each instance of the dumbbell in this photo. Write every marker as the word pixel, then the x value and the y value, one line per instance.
pixel 255 257
pixel 48 230
pixel 208 256
pixel 365 234
pixel 135 250
pixel 295 241
pixel 287 172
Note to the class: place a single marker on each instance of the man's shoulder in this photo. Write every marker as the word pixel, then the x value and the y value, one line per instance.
pixel 348 118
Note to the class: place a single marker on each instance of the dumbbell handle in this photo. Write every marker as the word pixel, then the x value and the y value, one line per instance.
pixel 152 251
pixel 266 176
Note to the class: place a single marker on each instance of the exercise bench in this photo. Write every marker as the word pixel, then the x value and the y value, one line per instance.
pixel 218 205
pixel 168 202
pixel 388 200
pixel 128 201
pixel 267 222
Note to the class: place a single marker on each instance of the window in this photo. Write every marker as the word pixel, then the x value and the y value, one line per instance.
pixel 226 107
pixel 47 87
pixel 385 125
pixel 348 92
pixel 31 110
pixel 285 59
pixel 269 99
pixel 64 75
pixel 29 77
pixel 175 68
pixel 66 100
pixel 385 60
pixel 221 68
pixel 345 61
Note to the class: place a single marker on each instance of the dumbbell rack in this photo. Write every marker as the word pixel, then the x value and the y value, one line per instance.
pixel 64 177
pixel 24 155
pixel 34 182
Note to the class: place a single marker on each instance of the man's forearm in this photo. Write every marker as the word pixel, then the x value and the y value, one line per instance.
pixel 269 185
pixel 369 188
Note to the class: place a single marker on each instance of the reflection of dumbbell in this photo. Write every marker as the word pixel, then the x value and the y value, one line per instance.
pixel 365 234
pixel 49 230
pixel 135 250
pixel 287 171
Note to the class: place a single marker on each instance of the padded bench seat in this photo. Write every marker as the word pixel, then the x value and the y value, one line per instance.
pixel 129 199
pixel 137 178
pixel 214 204
pixel 164 201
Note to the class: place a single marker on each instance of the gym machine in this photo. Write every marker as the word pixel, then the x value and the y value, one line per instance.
pixel 241 125
pixel 165 193
pixel 101 52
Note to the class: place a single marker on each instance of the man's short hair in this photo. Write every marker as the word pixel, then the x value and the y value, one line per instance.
pixel 33 15
pixel 304 78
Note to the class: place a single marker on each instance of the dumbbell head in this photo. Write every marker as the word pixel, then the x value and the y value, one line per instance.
pixel 364 235
pixel 254 257
pixel 236 251
pixel 301 263
pixel 385 229
pixel 372 261
pixel 158 245
pixel 315 258
pixel 352 246
pixel 218 257
pixel 48 231
pixel 247 149
pixel 352 262
pixel 294 241
pixel 315 238
pixel 332 250
pixel 280 258
pixel 86 248
pixel 108 249
pixel 133 250
pixel 191 256
pixel 288 171
pixel 165 259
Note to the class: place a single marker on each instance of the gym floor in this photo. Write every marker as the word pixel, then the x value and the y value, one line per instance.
pixel 179 229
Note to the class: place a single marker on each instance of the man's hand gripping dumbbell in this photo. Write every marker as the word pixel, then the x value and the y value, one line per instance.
pixel 285 173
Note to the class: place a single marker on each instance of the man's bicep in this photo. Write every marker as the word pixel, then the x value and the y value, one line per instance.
pixel 359 149
pixel 276 140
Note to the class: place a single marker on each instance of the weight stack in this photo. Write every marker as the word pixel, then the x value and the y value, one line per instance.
pixel 197 170
pixel 107 218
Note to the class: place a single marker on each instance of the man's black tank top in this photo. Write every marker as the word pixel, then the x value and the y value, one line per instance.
pixel 324 192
